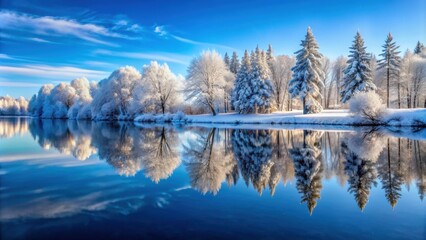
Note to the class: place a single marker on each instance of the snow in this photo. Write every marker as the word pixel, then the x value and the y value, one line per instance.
pixel 393 117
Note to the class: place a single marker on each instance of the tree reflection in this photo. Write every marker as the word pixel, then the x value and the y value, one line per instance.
pixel 253 152
pixel 308 168
pixel 207 164
pixel 262 157
pixel 361 174
pixel 160 157
pixel 10 127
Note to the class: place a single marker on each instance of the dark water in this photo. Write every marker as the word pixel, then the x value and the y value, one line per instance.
pixel 81 180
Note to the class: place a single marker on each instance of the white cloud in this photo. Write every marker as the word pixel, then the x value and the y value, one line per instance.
pixel 167 57
pixel 59 26
pixel 64 72
pixel 5 56
pixel 160 30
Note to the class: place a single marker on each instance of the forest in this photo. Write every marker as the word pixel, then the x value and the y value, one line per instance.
pixel 258 82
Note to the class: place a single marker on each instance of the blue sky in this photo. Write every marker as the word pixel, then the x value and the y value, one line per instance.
pixel 49 41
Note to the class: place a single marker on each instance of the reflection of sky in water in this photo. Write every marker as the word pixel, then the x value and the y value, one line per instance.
pixel 109 180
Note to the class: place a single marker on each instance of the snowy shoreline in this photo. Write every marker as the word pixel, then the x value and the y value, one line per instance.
pixel 393 117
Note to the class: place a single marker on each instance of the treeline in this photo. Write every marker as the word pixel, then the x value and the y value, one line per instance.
pixel 10 106
pixel 258 83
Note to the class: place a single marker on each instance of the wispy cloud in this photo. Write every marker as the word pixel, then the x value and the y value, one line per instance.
pixel 46 71
pixel 35 39
pixel 19 84
pixel 167 57
pixel 162 32
pixel 57 26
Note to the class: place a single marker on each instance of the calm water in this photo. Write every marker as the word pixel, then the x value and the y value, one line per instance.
pixel 72 179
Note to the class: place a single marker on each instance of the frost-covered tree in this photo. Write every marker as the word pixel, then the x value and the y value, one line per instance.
pixel 80 109
pixel 358 73
pixel 13 107
pixel 241 91
pixel 270 58
pixel 59 101
pixel 227 61
pixel 337 70
pixel 158 91
pixel 260 84
pixel 235 63
pixel 307 82
pixel 113 99
pixel 42 95
pixel 281 75
pixel 419 48
pixel 391 62
pixel 206 80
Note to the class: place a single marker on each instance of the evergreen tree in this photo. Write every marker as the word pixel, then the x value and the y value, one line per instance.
pixel 419 47
pixel 308 75
pixel 235 63
pixel 242 92
pixel 358 73
pixel 270 57
pixel 227 61
pixel 260 83
pixel 391 62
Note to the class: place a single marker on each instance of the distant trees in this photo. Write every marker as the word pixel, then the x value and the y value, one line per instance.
pixel 13 107
pixel 308 75
pixel 358 73
pixel 419 48
pixel 391 63
pixel 281 76
pixel 206 80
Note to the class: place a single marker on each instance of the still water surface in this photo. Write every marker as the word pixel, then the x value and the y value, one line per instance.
pixel 70 179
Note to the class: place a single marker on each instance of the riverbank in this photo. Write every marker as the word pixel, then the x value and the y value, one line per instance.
pixel 393 117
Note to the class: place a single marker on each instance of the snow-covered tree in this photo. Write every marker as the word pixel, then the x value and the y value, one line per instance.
pixel 206 80
pixel 358 73
pixel 13 107
pixel 391 63
pixel 158 91
pixel 241 91
pixel 260 84
pixel 281 75
pixel 235 63
pixel 113 99
pixel 227 61
pixel 337 75
pixel 307 82
pixel 419 48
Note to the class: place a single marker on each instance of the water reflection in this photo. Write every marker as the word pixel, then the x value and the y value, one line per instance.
pixel 262 158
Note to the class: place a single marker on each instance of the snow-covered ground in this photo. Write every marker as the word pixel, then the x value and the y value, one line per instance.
pixel 393 117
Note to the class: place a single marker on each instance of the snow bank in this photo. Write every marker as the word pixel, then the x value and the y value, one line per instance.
pixel 393 117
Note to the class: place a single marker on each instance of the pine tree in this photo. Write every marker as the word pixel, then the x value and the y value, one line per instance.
pixel 391 61
pixel 235 63
pixel 270 57
pixel 357 74
pixel 227 61
pixel 308 75
pixel 419 47
pixel 260 83
pixel 242 92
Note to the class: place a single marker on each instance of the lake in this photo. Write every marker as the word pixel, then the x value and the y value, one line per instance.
pixel 79 179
